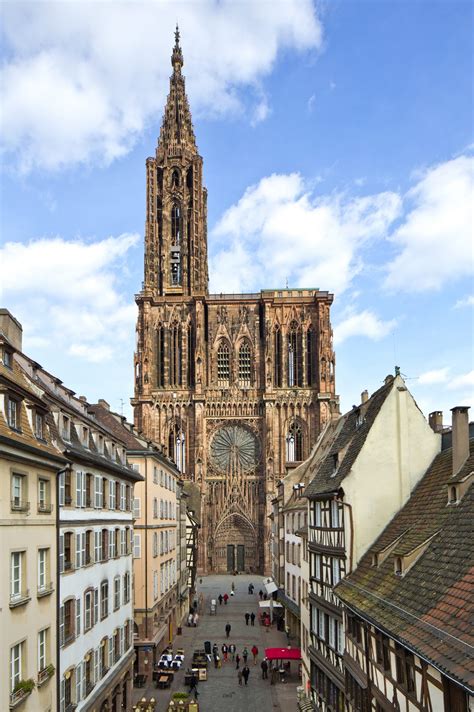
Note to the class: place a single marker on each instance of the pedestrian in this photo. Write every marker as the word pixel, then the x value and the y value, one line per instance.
pixel 233 587
pixel 250 588
pixel 254 653
pixel 215 649
pixel 227 629
pixel 245 674
pixel 264 666
pixel 245 654
pixel 274 676
pixel 220 599
pixel 225 650
pixel 232 651
pixel 232 592
pixel 237 661
pixel 247 617
pixel 226 598
pixel 190 619
pixel 195 619
pixel 216 661
pixel 252 618
pixel 239 676
pixel 260 593
pixel 193 687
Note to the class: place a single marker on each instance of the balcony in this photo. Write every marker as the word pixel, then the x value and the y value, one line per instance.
pixel 20 598
pixel 18 697
pixel 45 674
pixel 45 507
pixel 20 505
pixel 45 590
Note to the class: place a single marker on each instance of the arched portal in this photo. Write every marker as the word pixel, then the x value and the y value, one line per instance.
pixel 235 545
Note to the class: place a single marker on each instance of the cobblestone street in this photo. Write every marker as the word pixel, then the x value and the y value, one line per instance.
pixel 221 692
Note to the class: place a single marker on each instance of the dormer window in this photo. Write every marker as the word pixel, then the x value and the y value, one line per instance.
pixel 39 426
pixel 85 437
pixel 13 413
pixel 100 444
pixel 65 428
pixel 453 494
pixel 398 566
pixel 7 358
pixel 335 462
pixel 359 418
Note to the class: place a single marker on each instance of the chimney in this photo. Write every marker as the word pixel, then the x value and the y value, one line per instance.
pixel 460 427
pixel 388 379
pixel 435 419
pixel 104 404
pixel 12 329
pixel 83 399
pixel 364 396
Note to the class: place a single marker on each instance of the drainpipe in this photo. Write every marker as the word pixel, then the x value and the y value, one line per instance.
pixel 351 527
pixel 58 590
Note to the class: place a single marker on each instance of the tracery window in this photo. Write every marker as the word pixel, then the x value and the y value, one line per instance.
pixel 175 354
pixel 177 447
pixel 294 443
pixel 310 357
pixel 176 224
pixel 295 366
pixel 223 364
pixel 160 357
pixel 175 178
pixel 175 255
pixel 244 365
pixel 277 357
pixel 190 362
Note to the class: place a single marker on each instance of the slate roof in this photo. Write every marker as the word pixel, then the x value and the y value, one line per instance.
pixel 344 437
pixel 430 609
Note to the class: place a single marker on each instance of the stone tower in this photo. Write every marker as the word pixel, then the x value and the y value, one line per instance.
pixel 236 387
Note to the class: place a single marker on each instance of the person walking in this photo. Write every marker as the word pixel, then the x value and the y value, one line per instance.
pixel 245 674
pixel 252 618
pixel 245 654
pixel 237 661
pixel 226 598
pixel 260 593
pixel 239 676
pixel 195 620
pixel 233 587
pixel 215 649
pixel 227 629
pixel 264 666
pixel 247 617
pixel 232 651
pixel 216 661
pixel 254 653
pixel 220 599
pixel 225 650
pixel 250 588
pixel 193 687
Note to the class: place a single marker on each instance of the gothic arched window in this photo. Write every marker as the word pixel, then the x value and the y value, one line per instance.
pixel 294 443
pixel 310 357
pixel 190 362
pixel 160 357
pixel 177 447
pixel 223 364
pixel 175 178
pixel 295 365
pixel 175 354
pixel 244 365
pixel 175 224
pixel 277 357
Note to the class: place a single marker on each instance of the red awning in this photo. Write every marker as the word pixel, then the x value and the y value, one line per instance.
pixel 283 653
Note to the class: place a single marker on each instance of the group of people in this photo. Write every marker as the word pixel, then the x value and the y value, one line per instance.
pixel 250 617
pixel 224 598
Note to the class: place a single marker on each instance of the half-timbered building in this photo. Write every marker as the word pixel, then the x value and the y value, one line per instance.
pixel 409 605
pixel 364 467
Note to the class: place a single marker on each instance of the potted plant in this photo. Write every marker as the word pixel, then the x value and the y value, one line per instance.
pixel 50 669
pixel 25 686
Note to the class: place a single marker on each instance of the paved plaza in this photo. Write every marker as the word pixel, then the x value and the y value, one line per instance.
pixel 221 692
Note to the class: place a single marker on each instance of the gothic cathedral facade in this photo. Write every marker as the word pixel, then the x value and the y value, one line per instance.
pixel 236 387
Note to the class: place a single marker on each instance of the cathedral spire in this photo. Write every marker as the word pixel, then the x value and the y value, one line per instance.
pixel 177 131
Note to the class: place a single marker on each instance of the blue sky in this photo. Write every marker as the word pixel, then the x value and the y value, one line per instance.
pixel 338 153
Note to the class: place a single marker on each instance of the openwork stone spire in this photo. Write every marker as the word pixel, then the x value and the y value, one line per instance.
pixel 177 131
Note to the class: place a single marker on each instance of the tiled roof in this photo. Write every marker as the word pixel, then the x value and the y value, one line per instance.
pixel 343 437
pixel 431 607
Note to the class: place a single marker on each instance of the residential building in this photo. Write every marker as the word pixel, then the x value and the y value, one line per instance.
pixel 156 547
pixel 409 604
pixel 29 466
pixel 363 470
pixel 235 386
pixel 95 553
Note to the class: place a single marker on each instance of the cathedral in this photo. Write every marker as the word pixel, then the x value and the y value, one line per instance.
pixel 235 387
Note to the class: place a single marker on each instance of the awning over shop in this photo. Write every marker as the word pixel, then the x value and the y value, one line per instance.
pixel 283 653
pixel 266 604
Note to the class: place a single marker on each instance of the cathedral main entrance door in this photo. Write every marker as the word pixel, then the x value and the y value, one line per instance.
pixel 240 557
pixel 230 558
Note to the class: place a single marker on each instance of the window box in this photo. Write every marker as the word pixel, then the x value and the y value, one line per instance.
pixel 45 674
pixel 46 590
pixel 19 505
pixel 22 690
pixel 20 599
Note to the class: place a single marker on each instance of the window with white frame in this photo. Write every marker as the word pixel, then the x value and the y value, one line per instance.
pixel 88 610
pixel 104 599
pixel 80 549
pixel 155 475
pixel 96 606
pixel 16 655
pixel 17 575
pixel 13 413
pixel 44 496
pixel 98 498
pixel 43 555
pixel 116 593
pixel 42 649
pixel 123 497
pixel 155 544
pixel 136 546
pixel 126 587
pixel 136 507
pixel 123 542
pixel 18 491
pixel 112 493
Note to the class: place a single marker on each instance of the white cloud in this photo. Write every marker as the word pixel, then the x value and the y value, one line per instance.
pixel 70 293
pixel 436 236
pixel 365 323
pixel 466 302
pixel 311 103
pixel 280 230
pixel 462 381
pixel 439 375
pixel 82 80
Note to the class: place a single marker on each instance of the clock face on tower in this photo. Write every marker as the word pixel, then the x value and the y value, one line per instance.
pixel 234 446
